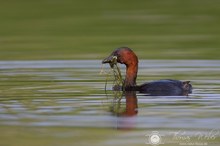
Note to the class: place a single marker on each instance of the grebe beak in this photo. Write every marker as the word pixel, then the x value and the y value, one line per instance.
pixel 109 59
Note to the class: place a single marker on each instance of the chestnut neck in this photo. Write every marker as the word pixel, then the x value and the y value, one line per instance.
pixel 131 75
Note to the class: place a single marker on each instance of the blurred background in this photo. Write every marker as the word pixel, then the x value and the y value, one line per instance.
pixel 91 29
pixel 63 102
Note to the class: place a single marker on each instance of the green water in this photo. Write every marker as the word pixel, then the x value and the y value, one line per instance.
pixel 64 103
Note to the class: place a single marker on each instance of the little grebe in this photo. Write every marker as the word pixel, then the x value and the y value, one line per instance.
pixel 161 87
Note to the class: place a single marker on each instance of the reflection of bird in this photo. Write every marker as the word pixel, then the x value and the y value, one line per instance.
pixel 126 56
pixel 126 118
pixel 131 105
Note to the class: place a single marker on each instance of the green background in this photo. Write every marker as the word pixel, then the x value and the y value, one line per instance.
pixel 91 29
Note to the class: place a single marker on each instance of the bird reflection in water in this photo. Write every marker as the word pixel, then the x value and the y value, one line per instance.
pixel 125 111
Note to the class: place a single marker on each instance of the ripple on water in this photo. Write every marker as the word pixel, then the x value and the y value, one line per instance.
pixel 71 94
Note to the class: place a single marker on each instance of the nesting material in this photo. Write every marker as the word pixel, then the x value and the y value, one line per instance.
pixel 118 80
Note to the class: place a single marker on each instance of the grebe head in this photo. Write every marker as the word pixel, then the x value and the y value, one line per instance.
pixel 123 55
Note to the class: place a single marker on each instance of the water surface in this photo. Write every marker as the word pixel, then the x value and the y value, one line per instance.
pixel 65 103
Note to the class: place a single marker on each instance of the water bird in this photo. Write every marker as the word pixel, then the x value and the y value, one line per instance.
pixel 166 87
